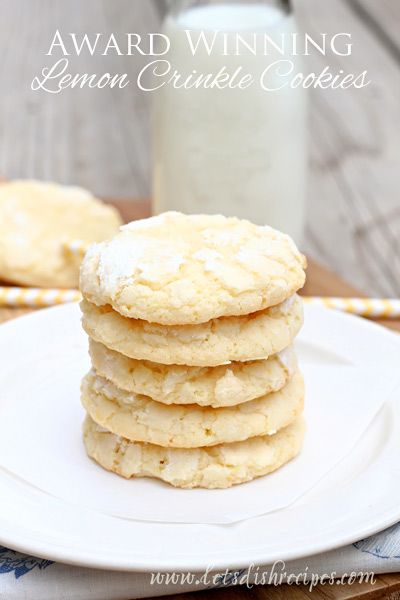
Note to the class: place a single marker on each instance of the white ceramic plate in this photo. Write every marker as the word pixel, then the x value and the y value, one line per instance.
pixel 360 496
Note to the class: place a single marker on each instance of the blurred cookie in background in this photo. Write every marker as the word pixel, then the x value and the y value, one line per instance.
pixel 37 220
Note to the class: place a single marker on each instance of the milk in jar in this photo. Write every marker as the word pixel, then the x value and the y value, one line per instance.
pixel 239 152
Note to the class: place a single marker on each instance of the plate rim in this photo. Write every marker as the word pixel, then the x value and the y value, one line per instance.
pixel 260 557
pixel 194 565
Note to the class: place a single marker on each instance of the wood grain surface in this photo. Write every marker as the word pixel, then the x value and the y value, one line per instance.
pixel 320 281
pixel 101 138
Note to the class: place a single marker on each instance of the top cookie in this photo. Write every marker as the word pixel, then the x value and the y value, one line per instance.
pixel 36 219
pixel 177 269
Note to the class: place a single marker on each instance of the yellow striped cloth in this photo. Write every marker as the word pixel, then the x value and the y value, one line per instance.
pixel 36 297
pixel 366 307
pixel 40 297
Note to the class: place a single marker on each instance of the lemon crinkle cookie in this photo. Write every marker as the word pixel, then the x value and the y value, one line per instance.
pixel 139 418
pixel 219 341
pixel 225 385
pixel 36 218
pixel 216 467
pixel 177 269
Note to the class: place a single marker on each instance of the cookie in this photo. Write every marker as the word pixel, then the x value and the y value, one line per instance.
pixel 226 385
pixel 216 467
pixel 36 219
pixel 139 418
pixel 177 269
pixel 220 341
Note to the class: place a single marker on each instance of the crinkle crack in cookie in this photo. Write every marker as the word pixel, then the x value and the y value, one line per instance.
pixel 139 418
pixel 216 467
pixel 176 269
pixel 226 385
pixel 36 219
pixel 220 341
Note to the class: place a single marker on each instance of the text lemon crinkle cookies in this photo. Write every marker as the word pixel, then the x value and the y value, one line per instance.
pixel 36 219
pixel 175 269
pixel 191 322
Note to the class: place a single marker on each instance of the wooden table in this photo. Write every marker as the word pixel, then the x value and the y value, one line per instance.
pixel 320 281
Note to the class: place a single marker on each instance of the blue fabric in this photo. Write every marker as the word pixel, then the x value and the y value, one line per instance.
pixel 385 544
pixel 23 576
pixel 20 564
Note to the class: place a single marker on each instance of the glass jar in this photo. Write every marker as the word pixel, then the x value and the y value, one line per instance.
pixel 237 147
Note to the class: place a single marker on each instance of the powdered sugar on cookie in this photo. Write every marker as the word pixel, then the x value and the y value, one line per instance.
pixel 178 269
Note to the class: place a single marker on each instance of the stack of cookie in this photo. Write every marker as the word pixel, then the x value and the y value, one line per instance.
pixel 191 321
